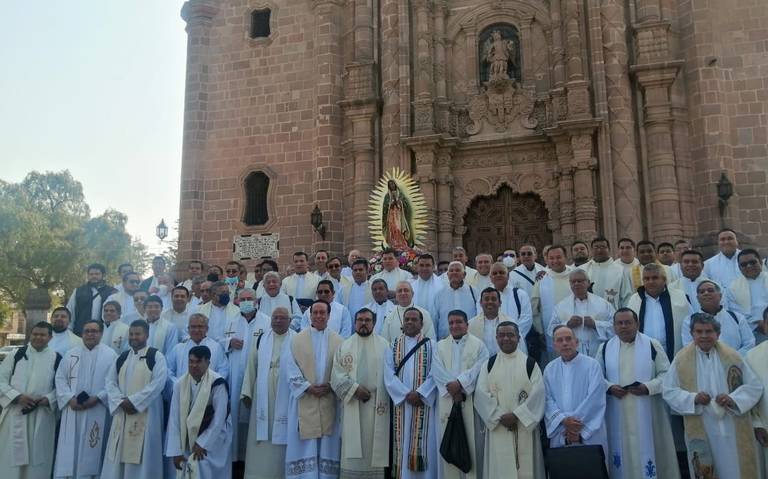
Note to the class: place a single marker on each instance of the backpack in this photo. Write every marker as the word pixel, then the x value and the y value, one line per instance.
pixel 21 353
pixel 529 364
pixel 151 354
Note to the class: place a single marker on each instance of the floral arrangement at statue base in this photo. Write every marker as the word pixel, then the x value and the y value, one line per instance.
pixel 406 258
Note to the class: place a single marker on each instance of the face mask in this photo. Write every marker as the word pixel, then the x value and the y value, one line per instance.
pixel 247 307
pixel 212 277
pixel 162 290
pixel 508 261
pixel 231 281
pixel 224 299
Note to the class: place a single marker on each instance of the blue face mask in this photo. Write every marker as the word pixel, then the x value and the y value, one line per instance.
pixel 224 299
pixel 247 307
pixel 231 281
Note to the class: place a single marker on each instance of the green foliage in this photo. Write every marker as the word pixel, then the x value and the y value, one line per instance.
pixel 47 236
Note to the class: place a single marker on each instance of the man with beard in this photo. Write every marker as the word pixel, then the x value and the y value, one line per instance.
pixel 85 302
pixel 579 253
pixel 82 397
pixel 63 338
pixel 608 278
pixel 358 382
pixel 130 285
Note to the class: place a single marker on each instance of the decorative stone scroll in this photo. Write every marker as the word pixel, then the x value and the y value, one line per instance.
pixel 505 106
pixel 256 246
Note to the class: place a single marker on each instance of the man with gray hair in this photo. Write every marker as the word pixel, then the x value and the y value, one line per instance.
pixel 713 388
pixel 177 359
pixel 661 310
pixel 457 295
pixel 274 297
pixel 482 280
pixel 460 254
pixel 588 315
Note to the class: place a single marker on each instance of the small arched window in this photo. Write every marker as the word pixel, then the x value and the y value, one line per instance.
pixel 256 188
pixel 260 23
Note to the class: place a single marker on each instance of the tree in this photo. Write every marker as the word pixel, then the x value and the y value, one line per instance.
pixel 47 236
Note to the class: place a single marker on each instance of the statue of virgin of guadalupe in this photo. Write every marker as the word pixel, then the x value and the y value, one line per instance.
pixel 396 212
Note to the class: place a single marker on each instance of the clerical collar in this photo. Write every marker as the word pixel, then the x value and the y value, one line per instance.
pixel 459 287
pixel 135 352
pixel 533 267
pixel 457 341
pixel 300 274
pixel 568 361
pixel 381 302
pixel 59 333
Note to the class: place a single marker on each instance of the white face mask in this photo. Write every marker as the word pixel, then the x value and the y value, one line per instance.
pixel 162 289
pixel 509 261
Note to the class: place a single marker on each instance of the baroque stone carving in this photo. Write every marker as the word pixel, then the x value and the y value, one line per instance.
pixel 502 104
pixel 498 53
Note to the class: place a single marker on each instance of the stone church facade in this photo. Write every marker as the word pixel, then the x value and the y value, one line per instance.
pixel 522 120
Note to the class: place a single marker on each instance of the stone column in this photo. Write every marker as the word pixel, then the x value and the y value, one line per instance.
pixel 199 16
pixel 362 150
pixel 578 88
pixel 584 165
pixel 424 121
pixel 425 175
pixel 564 171
pixel 36 307
pixel 441 90
pixel 666 223
pixel 328 122
pixel 445 220
pixel 626 178
pixel 390 82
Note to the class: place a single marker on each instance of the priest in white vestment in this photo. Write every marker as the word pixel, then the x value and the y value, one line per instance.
pixel 239 334
pixel 757 359
pixel 139 297
pixel 692 275
pixel 124 296
pixel 393 322
pixel 460 254
pixel 221 310
pixel 646 255
pixel 314 443
pixel 528 272
pixel 265 393
pixel 588 315
pixel 661 310
pixel 178 359
pixel 28 401
pixel 199 423
pixel 302 283
pixel 273 297
pixel 552 288
pixel 575 390
pixel 426 284
pixel 409 381
pixel 456 367
pixel 735 330
pixel 626 258
pixel 714 389
pixel 135 383
pixel 163 335
pixel 724 266
pixel 748 293
pixel 178 313
pixel 483 326
pixel 115 333
pixel 458 294
pixel 381 305
pixel 514 303
pixel 63 338
pixel 482 279
pixel 340 321
pixel 82 398
pixel 357 292
pixel 608 278
pixel 340 282
pixel 510 398
pixel 358 381
pixel 391 272
pixel 639 433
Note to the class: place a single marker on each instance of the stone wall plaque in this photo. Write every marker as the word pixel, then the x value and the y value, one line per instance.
pixel 256 246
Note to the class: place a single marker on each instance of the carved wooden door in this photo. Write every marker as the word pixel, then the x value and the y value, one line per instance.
pixel 505 220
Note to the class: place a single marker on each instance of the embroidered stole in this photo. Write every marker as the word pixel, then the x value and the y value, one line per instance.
pixel 695 433
pixel 127 432
pixel 419 427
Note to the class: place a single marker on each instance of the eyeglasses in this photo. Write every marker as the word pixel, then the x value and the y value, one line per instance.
pixel 91 331
pixel 323 291
pixel 333 266
pixel 748 263
pixel 526 253
pixel 134 281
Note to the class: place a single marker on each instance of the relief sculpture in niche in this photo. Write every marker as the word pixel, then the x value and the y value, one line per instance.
pixel 503 103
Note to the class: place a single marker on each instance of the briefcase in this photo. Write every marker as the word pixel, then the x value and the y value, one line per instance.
pixel 576 462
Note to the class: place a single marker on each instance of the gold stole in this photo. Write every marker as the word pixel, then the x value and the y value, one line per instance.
pixel 191 419
pixel 316 415
pixel 130 427
pixel 694 425
pixel 348 358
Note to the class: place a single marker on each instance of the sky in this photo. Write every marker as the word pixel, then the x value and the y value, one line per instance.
pixel 97 87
